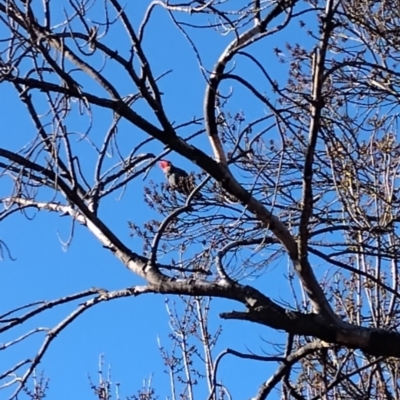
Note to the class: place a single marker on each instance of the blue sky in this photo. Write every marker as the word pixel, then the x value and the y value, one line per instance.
pixel 124 331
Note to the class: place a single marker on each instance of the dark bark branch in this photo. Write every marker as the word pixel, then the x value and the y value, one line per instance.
pixel 239 355
pixel 372 341
pixel 356 271
pixel 303 267
pixel 291 359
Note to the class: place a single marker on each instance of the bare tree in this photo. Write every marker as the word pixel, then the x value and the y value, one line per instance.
pixel 304 171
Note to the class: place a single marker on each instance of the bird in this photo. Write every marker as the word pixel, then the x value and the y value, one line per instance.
pixel 178 179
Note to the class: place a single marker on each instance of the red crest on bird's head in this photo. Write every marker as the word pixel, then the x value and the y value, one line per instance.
pixel 165 164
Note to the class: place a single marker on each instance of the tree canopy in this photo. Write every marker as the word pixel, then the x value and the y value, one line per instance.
pixel 285 113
